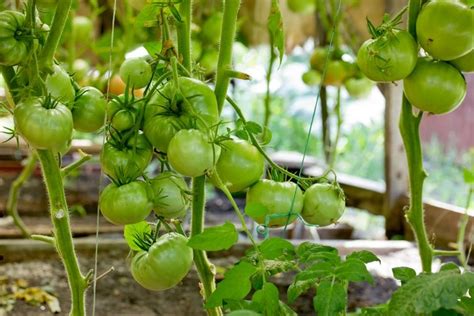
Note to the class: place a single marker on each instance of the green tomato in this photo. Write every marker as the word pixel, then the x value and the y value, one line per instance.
pixel 302 6
pixel 465 63
pixel 240 165
pixel 323 204
pixel 170 110
pixel 126 204
pixel 136 72
pixel 126 161
pixel 268 197
pixel 390 57
pixel 318 58
pixel 359 87
pixel 123 120
pixel 81 69
pixel 435 87
pixel 312 78
pixel 88 111
pixel 170 197
pixel 196 49
pixel 60 87
pixel 211 28
pixel 336 73
pixel 83 29
pixel 191 154
pixel 43 128
pixel 13 48
pixel 208 61
pixel 445 29
pixel 165 264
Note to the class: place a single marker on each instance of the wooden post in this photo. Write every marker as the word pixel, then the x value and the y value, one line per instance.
pixel 396 171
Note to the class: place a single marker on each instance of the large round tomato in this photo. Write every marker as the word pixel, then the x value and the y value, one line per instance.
pixel 170 195
pixel 268 197
pixel 136 72
pixel 191 153
pixel 165 264
pixel 390 57
pixel 43 127
pixel 88 111
pixel 13 43
pixel 302 6
pixel 324 204
pixel 240 165
pixel 123 120
pixel 311 77
pixel 60 87
pixel 83 29
pixel 435 87
pixel 170 110
pixel 465 63
pixel 318 58
pixel 445 29
pixel 128 160
pixel 336 73
pixel 358 87
pixel 126 204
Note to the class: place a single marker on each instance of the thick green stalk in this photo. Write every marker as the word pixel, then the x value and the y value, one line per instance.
pixel 12 202
pixel 62 230
pixel 409 129
pixel 56 30
pixel 184 33
pixel 9 76
pixel 204 267
pixel 325 125
pixel 268 99
pixel 224 63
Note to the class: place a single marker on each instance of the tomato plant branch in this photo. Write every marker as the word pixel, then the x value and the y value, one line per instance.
pixel 267 99
pixel 204 267
pixel 54 36
pixel 47 239
pixel 12 202
pixel 9 76
pixel 462 229
pixel 76 164
pixel 224 62
pixel 62 230
pixel 184 33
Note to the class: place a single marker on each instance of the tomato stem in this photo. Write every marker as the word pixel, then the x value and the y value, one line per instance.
pixel 62 230
pixel 184 33
pixel 224 62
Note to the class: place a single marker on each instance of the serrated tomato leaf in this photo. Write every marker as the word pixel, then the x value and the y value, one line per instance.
pixel 364 256
pixel 215 238
pixel 330 299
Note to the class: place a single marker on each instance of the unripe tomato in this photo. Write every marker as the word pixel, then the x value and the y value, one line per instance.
pixel 208 61
pixel 318 58
pixel 268 197
pixel 83 29
pixel 123 120
pixel 336 73
pixel 196 49
pixel 390 57
pixel 136 71
pixel 81 69
pixel 170 199
pixel 465 63
pixel 323 205
pixel 44 128
pixel 126 204
pixel 312 78
pixel 445 29
pixel 435 87
pixel 13 49
pixel 165 264
pixel 359 87
pixel 211 28
pixel 302 6
pixel 240 165
pixel 191 153
pixel 88 111
pixel 60 87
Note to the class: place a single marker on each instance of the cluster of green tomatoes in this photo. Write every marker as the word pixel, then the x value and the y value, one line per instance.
pixel 433 82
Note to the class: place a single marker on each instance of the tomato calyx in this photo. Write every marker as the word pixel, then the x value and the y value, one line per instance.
pixel 387 26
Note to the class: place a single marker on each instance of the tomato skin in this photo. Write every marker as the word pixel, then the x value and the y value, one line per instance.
pixel 445 29
pixel 126 204
pixel 191 154
pixel 276 198
pixel 390 57
pixel 211 28
pixel 83 29
pixel 336 73
pixel 240 165
pixel 165 264
pixel 323 204
pixel 89 110
pixel 123 120
pixel 80 69
pixel 302 6
pixel 136 71
pixel 318 58
pixel 44 128
pixel 435 87
pixel 163 118
pixel 170 200
pixel 12 49
pixel 465 63
pixel 60 87
pixel 311 77
pixel 127 161
pixel 358 87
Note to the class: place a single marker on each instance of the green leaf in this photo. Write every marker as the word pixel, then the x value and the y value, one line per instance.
pixel 276 266
pixel 247 305
pixel 275 30
pixel 468 175
pixel 308 252
pixel 317 271
pixel 379 310
pixel 467 305
pixel 235 286
pixel 364 256
pixel 133 232
pixel 268 297
pixel 253 127
pixel 450 266
pixel 153 48
pixel 404 274
pixel 243 312
pixel 429 292
pixel 215 238
pixel 286 310
pixel 297 288
pixel 330 299
pixel 147 16
pixel 353 270
pixel 277 248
